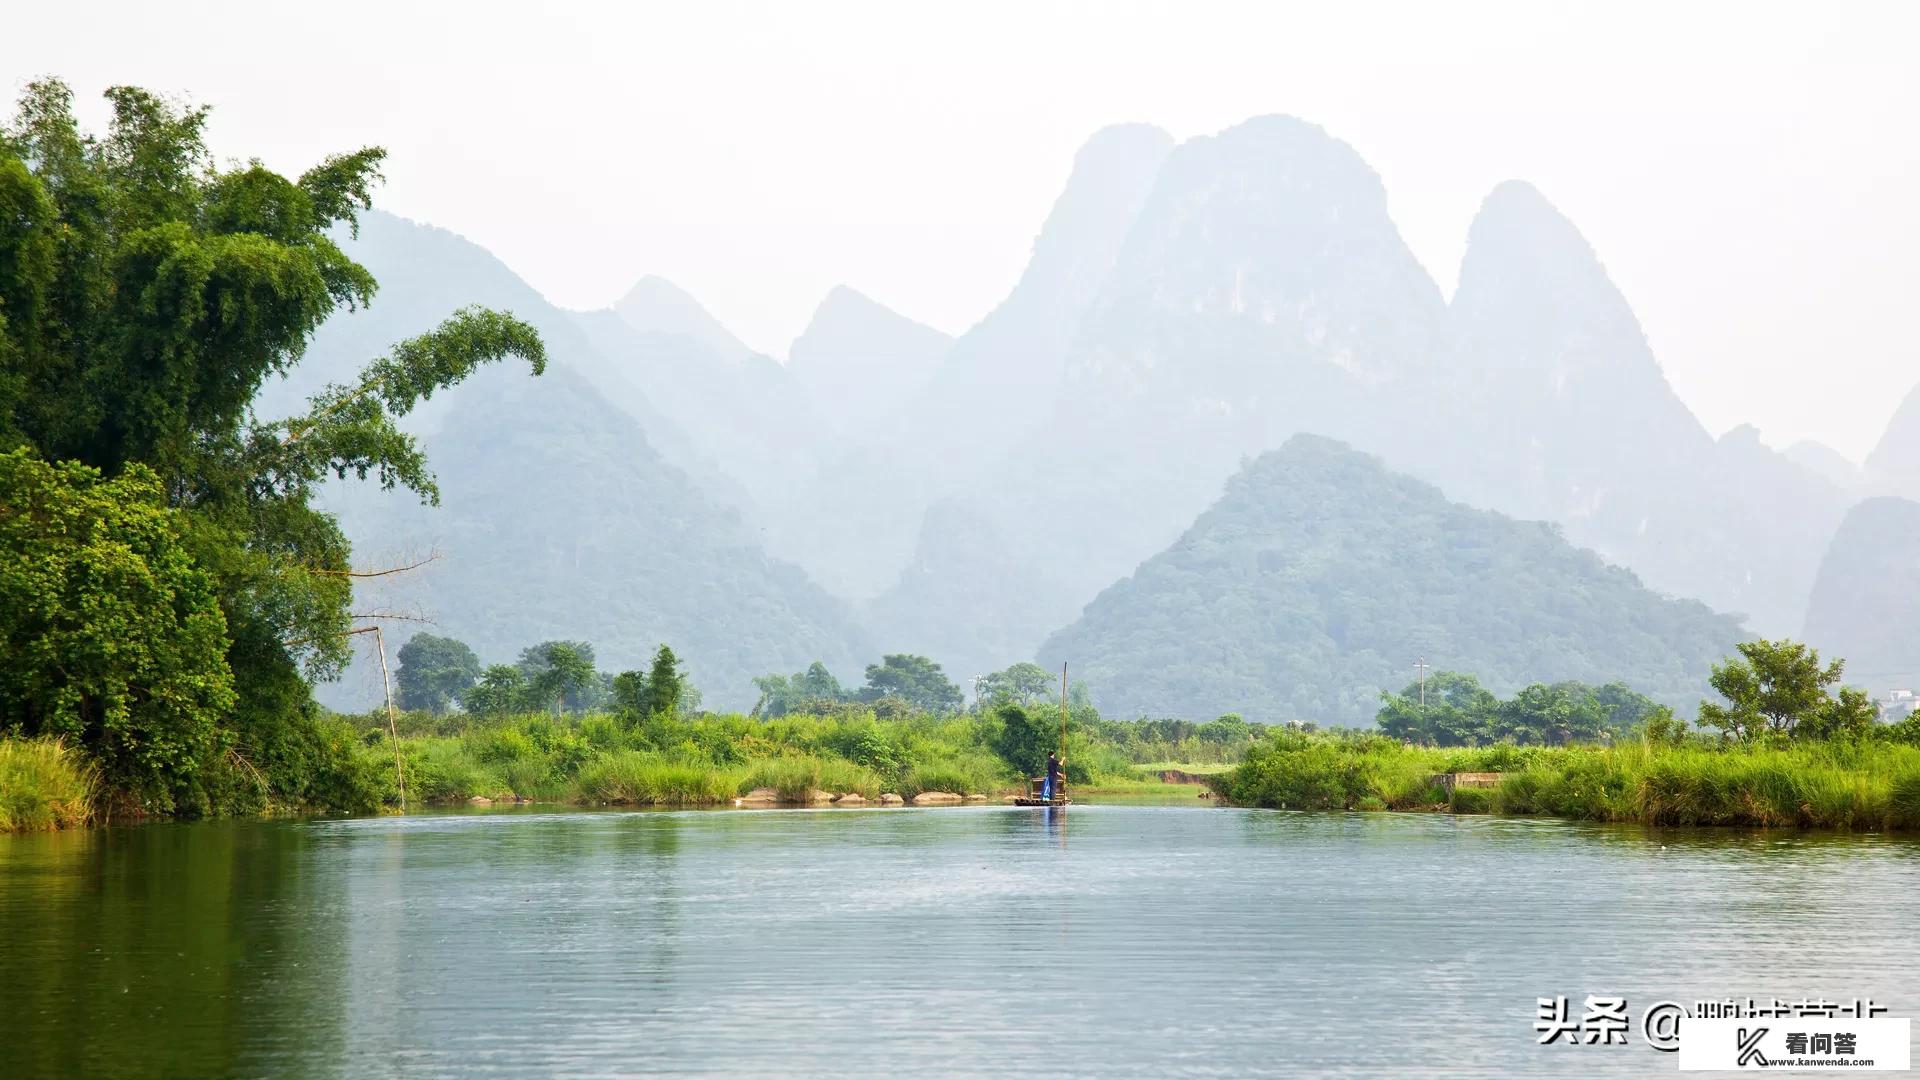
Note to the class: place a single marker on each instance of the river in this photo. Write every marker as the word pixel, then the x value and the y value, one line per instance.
pixel 1103 941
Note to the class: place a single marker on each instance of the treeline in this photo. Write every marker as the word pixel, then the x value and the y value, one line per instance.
pixel 1771 692
pixel 437 673
pixel 1453 709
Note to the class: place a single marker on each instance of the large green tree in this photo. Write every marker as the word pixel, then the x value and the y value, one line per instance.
pixel 1779 690
pixel 145 294
pixel 434 671
pixel 914 679
pixel 560 675
pixel 1021 684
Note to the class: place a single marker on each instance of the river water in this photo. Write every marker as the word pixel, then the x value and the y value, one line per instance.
pixel 1103 941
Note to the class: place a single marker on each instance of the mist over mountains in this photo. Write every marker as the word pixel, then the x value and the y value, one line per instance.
pixel 1186 309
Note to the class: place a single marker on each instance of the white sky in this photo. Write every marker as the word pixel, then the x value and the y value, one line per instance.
pixel 1748 172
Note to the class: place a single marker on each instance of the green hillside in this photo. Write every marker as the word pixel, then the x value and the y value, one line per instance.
pixel 1320 577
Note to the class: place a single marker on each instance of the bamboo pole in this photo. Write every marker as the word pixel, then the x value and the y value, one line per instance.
pixel 393 731
pixel 1063 733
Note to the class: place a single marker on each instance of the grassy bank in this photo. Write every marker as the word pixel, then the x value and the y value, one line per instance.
pixel 1865 785
pixel 44 784
pixel 606 759
pixel 614 759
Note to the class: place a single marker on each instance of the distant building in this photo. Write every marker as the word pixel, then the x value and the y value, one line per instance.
pixel 1898 705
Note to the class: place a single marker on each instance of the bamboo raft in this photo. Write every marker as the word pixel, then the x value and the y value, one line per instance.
pixel 1036 785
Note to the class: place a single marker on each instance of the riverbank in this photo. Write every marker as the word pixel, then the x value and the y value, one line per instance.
pixel 1845 785
pixel 848 758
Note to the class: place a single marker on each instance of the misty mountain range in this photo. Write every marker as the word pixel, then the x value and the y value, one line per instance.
pixel 1187 309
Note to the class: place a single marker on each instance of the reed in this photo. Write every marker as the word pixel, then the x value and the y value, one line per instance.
pixel 44 784
pixel 634 778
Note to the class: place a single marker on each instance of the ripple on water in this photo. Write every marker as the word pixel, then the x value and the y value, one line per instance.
pixel 1103 941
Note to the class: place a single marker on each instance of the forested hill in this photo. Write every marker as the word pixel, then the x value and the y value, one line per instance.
pixel 559 517
pixel 1320 577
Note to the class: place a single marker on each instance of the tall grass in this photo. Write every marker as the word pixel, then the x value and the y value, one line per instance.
pixel 44 784
pixel 965 773
pixel 633 778
pixel 1842 785
pixel 795 778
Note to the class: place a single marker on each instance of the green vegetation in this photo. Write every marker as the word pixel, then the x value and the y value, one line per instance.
pixel 1790 751
pixel 1840 785
pixel 1453 709
pixel 1319 577
pixel 44 784
pixel 434 672
pixel 169 589
pixel 915 680
pixel 628 757
pixel 1777 690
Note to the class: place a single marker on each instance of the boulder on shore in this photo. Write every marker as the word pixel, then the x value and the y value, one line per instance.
pixel 937 798
pixel 976 797
pixel 760 796
pixel 890 799
pixel 851 798
pixel 816 797
pixel 479 800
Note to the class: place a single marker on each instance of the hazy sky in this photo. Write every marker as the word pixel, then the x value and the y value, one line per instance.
pixel 1747 172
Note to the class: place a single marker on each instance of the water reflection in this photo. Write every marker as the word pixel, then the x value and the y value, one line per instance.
pixel 967 940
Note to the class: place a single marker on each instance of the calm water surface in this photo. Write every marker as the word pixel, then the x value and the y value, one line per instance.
pixel 1108 941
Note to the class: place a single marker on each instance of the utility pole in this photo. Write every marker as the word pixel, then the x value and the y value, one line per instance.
pixel 1422 667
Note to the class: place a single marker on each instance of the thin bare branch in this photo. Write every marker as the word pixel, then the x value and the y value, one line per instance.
pixel 375 573
pixel 389 615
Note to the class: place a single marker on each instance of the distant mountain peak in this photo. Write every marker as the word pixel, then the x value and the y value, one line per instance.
pixel 846 310
pixel 657 306
pixel 860 359
pixel 1895 462
pixel 1517 225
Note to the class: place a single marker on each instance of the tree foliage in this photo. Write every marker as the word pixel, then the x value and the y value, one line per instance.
pixel 434 672
pixel 814 691
pixel 1458 711
pixel 1023 739
pixel 915 680
pixel 559 675
pixel 145 295
pixel 660 691
pixel 501 690
pixel 1779 690
pixel 112 637
pixel 1021 684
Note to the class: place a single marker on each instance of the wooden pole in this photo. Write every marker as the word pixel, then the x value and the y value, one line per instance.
pixel 393 732
pixel 1063 733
